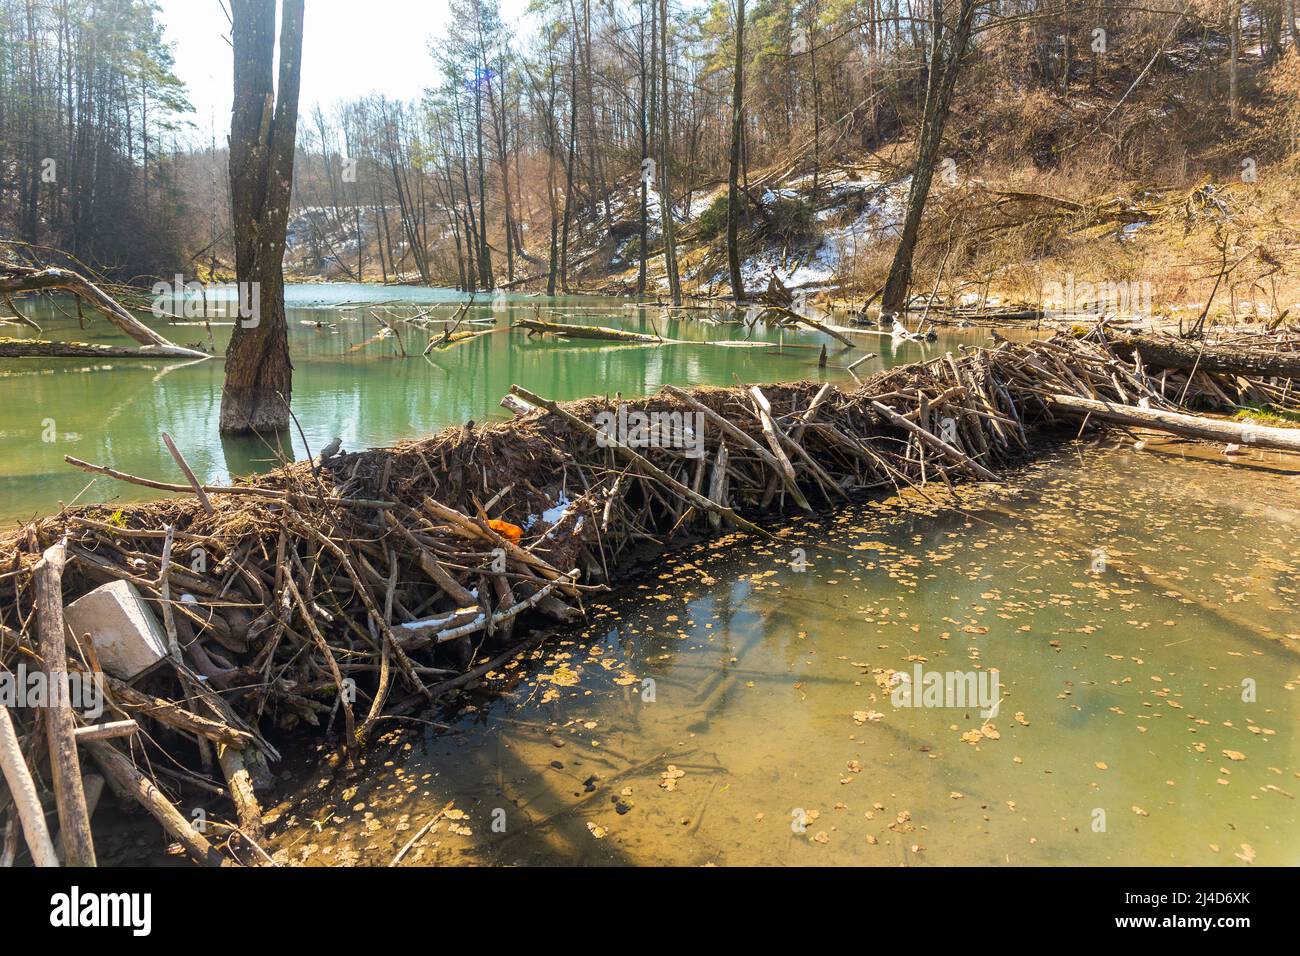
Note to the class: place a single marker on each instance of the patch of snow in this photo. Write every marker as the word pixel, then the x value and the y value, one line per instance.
pixel 1130 229
pixel 551 515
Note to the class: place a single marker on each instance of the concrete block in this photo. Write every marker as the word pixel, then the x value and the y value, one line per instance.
pixel 123 630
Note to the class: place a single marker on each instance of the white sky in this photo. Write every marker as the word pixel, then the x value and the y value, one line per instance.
pixel 350 48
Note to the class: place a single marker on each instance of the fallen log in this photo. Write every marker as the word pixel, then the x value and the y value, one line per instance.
pixel 1168 352
pixel 126 778
pixel 240 785
pixel 516 405
pixel 452 337
pixel 794 316
pixel 763 411
pixel 587 332
pixel 106 731
pixel 44 348
pixel 22 788
pixel 1177 423
pixel 17 279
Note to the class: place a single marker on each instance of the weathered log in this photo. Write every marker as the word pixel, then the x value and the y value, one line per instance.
pixel 126 778
pixel 93 784
pixel 240 785
pixel 501 617
pixel 450 338
pixel 718 485
pixel 23 790
pixel 814 324
pixel 44 348
pixel 764 413
pixel 587 332
pixel 60 723
pixel 1177 423
pixel 106 731
pixel 1168 352
pixel 173 715
pixel 14 279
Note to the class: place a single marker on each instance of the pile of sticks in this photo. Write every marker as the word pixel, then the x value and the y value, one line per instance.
pixel 339 593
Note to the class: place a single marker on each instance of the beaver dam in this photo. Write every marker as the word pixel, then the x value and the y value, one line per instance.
pixel 346 591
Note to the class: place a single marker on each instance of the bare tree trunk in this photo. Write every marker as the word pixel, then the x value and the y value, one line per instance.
pixel 263 128
pixel 645 151
pixel 31 217
pixel 733 174
pixel 1234 54
pixel 665 165
pixel 570 160
pixel 945 63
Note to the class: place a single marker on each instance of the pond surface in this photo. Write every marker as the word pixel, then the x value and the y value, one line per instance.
pixel 352 382
pixel 736 705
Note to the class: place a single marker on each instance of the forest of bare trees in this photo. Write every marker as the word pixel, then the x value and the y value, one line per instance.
pixel 513 163
pixel 538 142
pixel 90 119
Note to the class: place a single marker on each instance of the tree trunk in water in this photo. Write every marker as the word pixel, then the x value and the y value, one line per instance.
pixel 945 62
pixel 259 375
pixel 733 176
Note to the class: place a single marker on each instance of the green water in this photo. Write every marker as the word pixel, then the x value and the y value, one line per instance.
pixel 1125 734
pixel 350 384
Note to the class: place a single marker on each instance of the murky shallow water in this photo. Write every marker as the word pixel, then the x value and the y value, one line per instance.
pixel 1125 734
